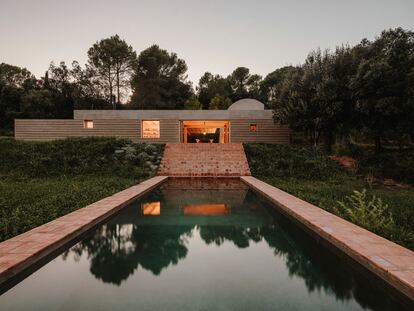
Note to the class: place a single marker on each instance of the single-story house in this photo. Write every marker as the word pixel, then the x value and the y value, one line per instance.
pixel 244 121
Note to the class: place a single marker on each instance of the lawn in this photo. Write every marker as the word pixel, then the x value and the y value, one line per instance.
pixel 40 181
pixel 313 177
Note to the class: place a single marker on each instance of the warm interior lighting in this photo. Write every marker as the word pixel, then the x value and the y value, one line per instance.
pixel 150 129
pixel 88 124
pixel 151 208
pixel 210 131
pixel 206 209
pixel 253 127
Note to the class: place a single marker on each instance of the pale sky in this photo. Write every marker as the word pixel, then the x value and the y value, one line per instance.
pixel 215 36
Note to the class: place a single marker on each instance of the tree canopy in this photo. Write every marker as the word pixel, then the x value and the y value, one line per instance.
pixel 112 61
pixel 160 81
pixel 366 89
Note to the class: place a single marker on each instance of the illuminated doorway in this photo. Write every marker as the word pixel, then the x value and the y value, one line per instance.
pixel 205 132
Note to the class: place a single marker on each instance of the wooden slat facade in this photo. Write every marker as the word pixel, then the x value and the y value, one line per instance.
pixel 266 132
pixel 29 129
pixel 46 129
pixel 58 129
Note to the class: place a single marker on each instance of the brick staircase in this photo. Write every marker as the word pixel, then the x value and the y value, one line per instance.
pixel 204 160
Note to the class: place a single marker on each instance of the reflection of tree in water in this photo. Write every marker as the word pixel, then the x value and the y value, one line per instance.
pixel 305 258
pixel 238 235
pixel 320 268
pixel 160 246
pixel 116 251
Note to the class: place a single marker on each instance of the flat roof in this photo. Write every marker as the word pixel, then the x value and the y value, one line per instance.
pixel 173 114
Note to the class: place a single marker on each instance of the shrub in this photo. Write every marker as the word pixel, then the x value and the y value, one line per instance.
pixel 372 214
pixel 72 156
pixel 395 164
pixel 40 181
pixel 288 161
pixel 312 176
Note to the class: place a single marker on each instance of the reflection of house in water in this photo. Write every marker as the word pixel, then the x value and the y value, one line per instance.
pixel 151 208
pixel 209 197
pixel 206 209
pixel 219 201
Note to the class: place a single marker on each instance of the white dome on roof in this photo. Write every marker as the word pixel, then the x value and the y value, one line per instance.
pixel 247 104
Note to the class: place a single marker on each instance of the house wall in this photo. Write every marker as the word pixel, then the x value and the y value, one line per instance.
pixel 267 132
pixel 127 124
pixel 30 129
pixel 38 129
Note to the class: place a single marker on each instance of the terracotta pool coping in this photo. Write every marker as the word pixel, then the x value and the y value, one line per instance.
pixel 392 263
pixel 29 248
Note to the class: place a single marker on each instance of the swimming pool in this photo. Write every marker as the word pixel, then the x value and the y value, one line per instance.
pixel 197 244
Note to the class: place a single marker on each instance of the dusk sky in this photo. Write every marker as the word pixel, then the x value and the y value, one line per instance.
pixel 215 36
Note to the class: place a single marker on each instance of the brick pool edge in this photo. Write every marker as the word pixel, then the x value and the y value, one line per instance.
pixel 390 262
pixel 29 248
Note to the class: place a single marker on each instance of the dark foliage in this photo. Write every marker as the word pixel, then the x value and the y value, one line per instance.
pixel 313 177
pixel 40 181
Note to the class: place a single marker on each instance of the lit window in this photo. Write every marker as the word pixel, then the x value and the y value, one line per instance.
pixel 253 127
pixel 88 124
pixel 206 209
pixel 150 129
pixel 151 208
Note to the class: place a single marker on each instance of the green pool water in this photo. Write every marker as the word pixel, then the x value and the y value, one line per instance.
pixel 197 245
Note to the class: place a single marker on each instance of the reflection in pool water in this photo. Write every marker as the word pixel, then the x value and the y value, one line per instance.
pixel 206 209
pixel 151 208
pixel 197 246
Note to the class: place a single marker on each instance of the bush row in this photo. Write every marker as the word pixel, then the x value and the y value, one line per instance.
pixel 77 156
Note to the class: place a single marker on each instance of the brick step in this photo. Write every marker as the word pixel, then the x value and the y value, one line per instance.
pixel 213 160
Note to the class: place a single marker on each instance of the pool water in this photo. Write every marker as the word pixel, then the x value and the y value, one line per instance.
pixel 191 244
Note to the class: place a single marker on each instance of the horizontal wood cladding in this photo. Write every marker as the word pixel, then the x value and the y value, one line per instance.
pixel 58 129
pixel 29 129
pixel 266 132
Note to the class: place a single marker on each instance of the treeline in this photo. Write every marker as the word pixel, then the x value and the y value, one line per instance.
pixel 368 88
pixel 115 77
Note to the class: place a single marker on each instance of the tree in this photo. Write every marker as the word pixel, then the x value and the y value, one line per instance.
pixel 87 93
pixel 192 103
pixel 219 102
pixel 209 86
pixel 14 83
pixel 160 81
pixel 310 98
pixel 38 104
pixel 270 85
pixel 253 87
pixel 244 85
pixel 381 86
pixel 14 76
pixel 238 83
pixel 112 60
pixel 58 80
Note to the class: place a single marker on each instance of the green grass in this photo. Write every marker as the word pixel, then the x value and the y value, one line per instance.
pixel 313 177
pixel 28 203
pixel 42 181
